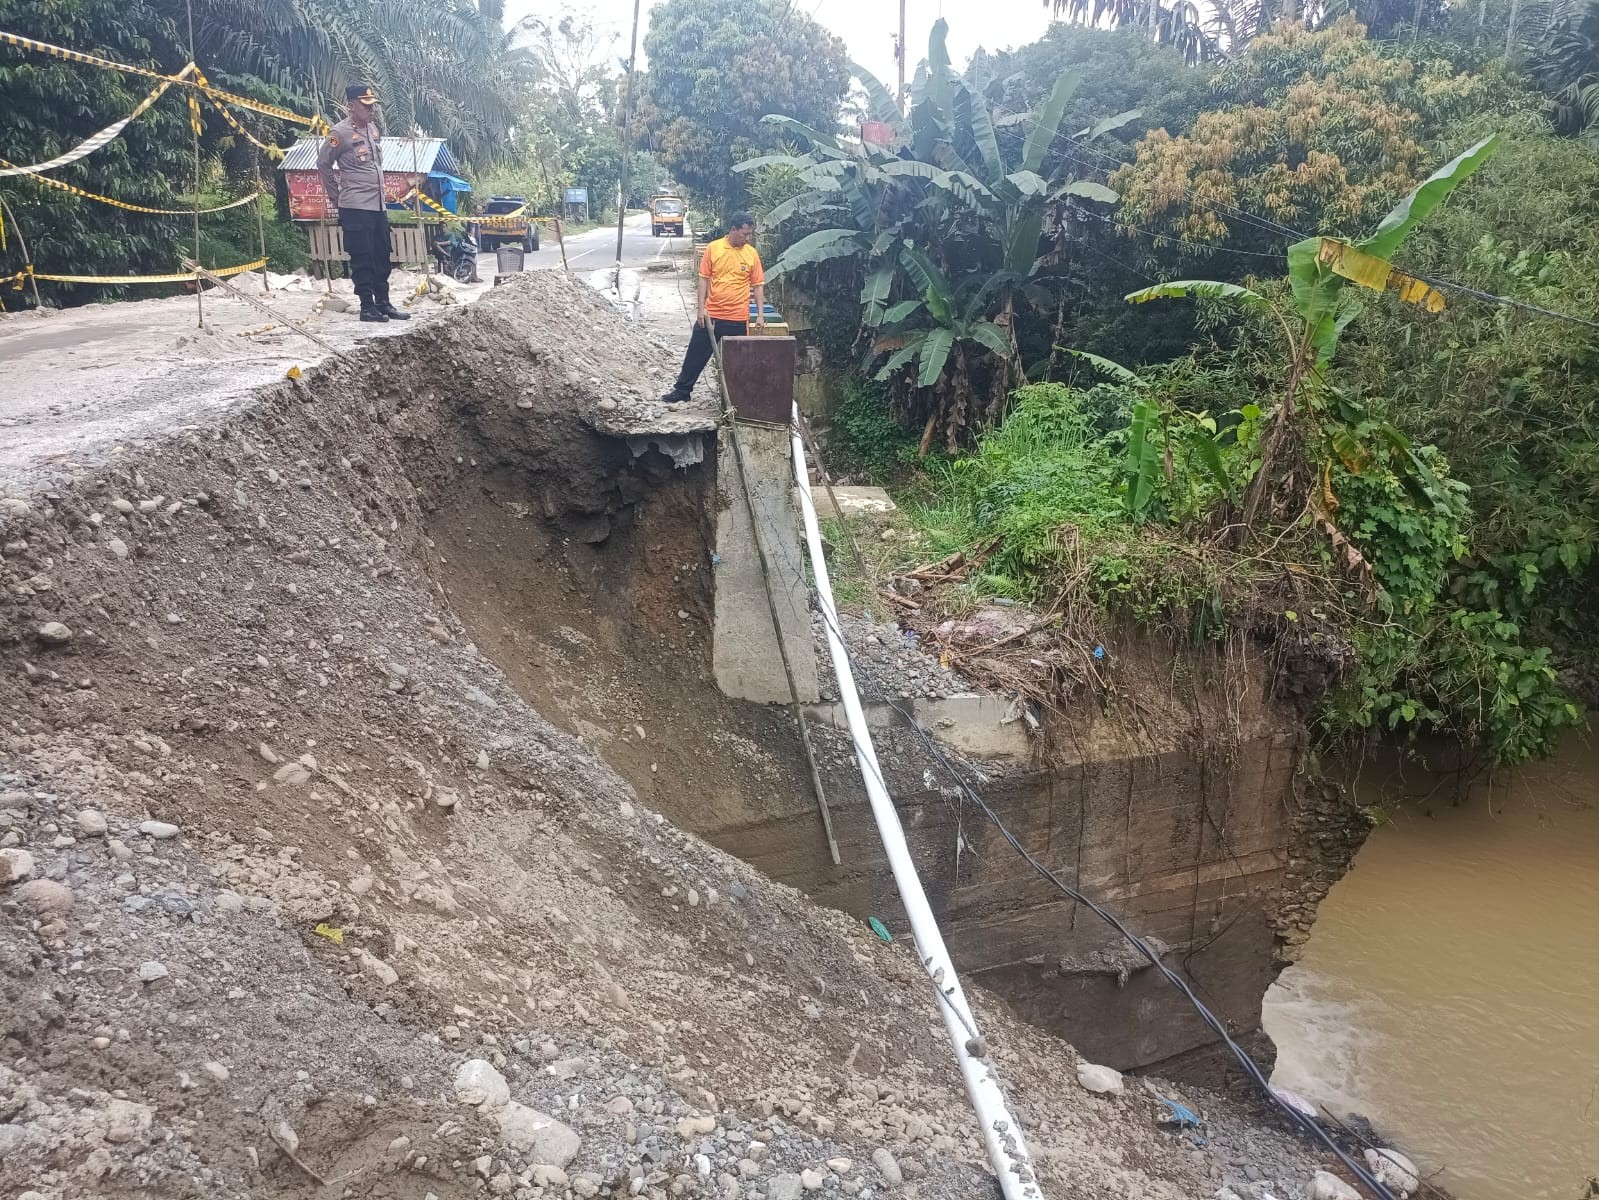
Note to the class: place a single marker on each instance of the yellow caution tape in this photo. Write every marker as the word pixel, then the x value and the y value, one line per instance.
pixel 515 217
pixel 414 194
pixel 107 135
pixel 273 152
pixel 184 277
pixel 138 208
pixel 12 39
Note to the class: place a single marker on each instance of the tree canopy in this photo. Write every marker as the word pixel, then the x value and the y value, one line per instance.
pixel 716 68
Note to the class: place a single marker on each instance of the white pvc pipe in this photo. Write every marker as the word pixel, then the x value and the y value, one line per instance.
pixel 1002 1134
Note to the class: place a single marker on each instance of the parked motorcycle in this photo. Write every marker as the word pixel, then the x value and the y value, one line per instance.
pixel 457 256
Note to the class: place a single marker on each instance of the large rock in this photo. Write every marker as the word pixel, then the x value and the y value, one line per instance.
pixel 45 896
pixel 883 1160
pixel 14 865
pixel 538 1135
pixel 1393 1170
pixel 1103 1080
pixel 1324 1185
pixel 125 1121
pixel 477 1083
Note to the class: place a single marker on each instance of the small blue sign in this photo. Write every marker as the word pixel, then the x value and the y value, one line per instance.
pixel 577 195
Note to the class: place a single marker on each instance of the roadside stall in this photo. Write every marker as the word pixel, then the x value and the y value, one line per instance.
pixel 419 181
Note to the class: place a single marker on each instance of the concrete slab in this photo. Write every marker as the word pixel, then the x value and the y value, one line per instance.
pixel 678 431
pixel 745 657
pixel 977 725
pixel 854 501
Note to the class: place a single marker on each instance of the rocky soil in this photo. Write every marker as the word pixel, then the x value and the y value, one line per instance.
pixel 300 898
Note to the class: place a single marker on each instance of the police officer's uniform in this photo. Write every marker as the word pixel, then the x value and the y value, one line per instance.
pixel 356 190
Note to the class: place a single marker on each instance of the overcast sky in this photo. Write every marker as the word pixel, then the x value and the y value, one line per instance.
pixel 867 26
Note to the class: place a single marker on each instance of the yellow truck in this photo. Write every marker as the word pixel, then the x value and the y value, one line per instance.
pixel 666 216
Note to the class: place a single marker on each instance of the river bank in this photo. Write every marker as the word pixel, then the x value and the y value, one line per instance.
pixel 1448 990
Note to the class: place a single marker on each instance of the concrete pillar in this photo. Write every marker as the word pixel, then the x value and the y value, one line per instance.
pixel 745 656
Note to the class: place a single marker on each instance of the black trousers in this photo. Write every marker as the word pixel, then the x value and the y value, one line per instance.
pixel 699 350
pixel 366 241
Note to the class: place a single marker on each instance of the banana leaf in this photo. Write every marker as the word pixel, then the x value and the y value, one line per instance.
pixel 902 356
pixel 1106 366
pixel 1042 135
pixel 935 353
pixel 772 160
pixel 1143 463
pixel 991 336
pixel 1210 288
pixel 875 293
pixel 1083 189
pixel 1428 195
pixel 1109 124
pixel 825 143
pixel 818 247
pixel 880 105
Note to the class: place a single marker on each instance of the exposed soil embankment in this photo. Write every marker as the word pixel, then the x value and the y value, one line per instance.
pixel 284 848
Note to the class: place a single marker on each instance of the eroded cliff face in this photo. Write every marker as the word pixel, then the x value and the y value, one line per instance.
pixel 362 730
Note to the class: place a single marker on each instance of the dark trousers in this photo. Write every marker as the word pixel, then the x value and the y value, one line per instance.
pixel 366 241
pixel 699 350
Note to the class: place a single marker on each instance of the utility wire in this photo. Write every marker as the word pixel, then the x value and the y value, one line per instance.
pixel 1250 1067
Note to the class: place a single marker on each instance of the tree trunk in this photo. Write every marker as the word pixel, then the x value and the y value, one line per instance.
pixel 1272 445
pixel 1482 21
pixel 1510 28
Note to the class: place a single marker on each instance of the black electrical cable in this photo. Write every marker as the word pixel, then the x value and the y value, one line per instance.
pixel 1250 1067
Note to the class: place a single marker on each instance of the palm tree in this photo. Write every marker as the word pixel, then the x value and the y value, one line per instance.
pixel 1175 23
pixel 1566 65
pixel 446 67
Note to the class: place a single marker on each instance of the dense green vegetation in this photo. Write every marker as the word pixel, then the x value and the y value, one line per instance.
pixel 1327 443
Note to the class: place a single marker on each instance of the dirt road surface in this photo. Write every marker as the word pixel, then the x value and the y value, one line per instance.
pixel 80 381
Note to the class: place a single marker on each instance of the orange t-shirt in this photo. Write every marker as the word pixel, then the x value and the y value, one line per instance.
pixel 732 274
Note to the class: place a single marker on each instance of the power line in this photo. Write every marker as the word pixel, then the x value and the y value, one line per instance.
pixel 1250 1067
pixel 1508 302
pixel 1177 241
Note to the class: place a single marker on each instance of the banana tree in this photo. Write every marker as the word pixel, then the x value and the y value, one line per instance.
pixel 952 193
pixel 1319 269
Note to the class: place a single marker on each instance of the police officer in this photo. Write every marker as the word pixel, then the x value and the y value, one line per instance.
pixel 355 147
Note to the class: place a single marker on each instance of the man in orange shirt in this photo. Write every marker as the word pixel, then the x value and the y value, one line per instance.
pixel 729 270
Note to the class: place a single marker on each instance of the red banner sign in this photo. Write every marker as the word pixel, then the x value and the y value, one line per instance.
pixel 308 202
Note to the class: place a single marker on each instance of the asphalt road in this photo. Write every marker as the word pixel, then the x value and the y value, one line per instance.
pixel 596 249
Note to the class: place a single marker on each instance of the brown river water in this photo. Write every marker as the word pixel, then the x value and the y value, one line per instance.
pixel 1450 988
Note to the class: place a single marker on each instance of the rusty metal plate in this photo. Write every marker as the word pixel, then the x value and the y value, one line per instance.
pixel 760 377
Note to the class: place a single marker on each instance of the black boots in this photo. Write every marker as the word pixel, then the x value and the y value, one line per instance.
pixel 381 311
pixel 675 396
